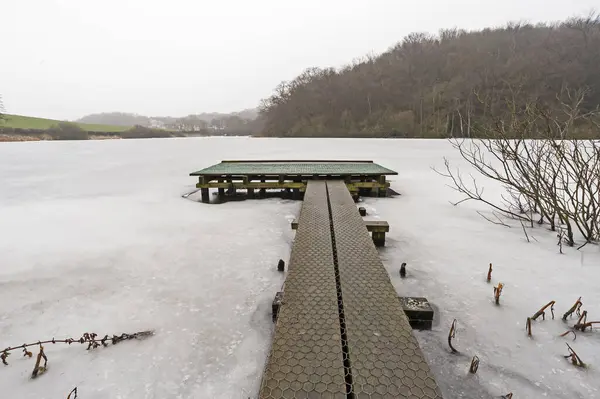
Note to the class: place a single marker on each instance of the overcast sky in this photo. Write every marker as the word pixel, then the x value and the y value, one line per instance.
pixel 63 59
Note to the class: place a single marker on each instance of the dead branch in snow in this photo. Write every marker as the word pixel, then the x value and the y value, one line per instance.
pixel 582 324
pixel 91 339
pixel 582 327
pixel 498 292
pixel 542 311
pixel 561 238
pixel 498 221
pixel 568 332
pixel 575 359
pixel 74 393
pixel 528 327
pixel 573 309
pixel 524 231
pixel 451 335
pixel 38 369
pixel 489 275
pixel 474 193
pixel 474 365
pixel 582 318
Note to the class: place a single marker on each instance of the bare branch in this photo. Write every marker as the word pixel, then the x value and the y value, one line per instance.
pixel 498 222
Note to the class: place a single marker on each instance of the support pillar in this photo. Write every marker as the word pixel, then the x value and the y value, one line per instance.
pixel 382 188
pixel 296 194
pixel 263 192
pixel 220 191
pixel 379 238
pixel 230 189
pixel 204 193
pixel 251 193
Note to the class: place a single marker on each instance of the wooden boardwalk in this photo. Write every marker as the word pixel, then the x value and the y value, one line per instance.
pixel 341 331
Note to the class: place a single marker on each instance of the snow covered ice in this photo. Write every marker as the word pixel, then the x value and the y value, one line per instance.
pixel 95 237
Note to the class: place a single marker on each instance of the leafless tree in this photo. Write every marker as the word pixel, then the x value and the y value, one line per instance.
pixel 548 175
pixel 429 81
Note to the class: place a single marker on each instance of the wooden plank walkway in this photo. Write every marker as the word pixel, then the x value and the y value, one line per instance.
pixel 384 355
pixel 306 354
pixel 341 331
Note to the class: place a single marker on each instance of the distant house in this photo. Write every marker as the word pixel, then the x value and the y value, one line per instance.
pixel 156 124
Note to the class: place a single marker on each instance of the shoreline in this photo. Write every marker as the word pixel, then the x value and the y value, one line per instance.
pixel 7 138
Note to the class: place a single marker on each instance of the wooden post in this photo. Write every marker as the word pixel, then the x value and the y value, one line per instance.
pixel 230 189
pixel 276 305
pixel 382 188
pixel 379 238
pixel 263 191
pixel 221 191
pixel 205 198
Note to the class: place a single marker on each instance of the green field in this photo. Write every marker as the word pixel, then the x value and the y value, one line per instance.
pixel 28 122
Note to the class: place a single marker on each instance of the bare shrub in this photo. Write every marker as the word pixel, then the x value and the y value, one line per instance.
pixel 68 131
pixel 548 175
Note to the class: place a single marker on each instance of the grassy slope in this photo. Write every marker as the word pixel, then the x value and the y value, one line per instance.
pixel 28 122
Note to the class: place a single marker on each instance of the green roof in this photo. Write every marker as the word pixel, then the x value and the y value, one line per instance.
pixel 336 168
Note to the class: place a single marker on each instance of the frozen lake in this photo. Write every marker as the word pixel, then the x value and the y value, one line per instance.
pixel 95 237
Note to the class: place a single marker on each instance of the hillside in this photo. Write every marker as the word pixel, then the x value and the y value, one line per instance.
pixel 189 122
pixel 115 119
pixel 28 122
pixel 439 86
pixel 25 128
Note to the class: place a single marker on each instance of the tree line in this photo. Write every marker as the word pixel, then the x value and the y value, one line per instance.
pixel 243 122
pixel 72 131
pixel 442 85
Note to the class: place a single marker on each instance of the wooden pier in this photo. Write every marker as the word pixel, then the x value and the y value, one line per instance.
pixel 341 330
pixel 255 177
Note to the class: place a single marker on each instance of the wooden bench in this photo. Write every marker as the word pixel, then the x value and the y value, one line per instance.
pixel 378 229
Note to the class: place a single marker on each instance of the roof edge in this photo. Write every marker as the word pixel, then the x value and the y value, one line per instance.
pixel 298 161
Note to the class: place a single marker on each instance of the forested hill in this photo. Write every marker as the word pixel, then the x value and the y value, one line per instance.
pixel 437 86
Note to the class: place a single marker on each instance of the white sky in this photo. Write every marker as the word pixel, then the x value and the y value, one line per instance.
pixel 66 58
